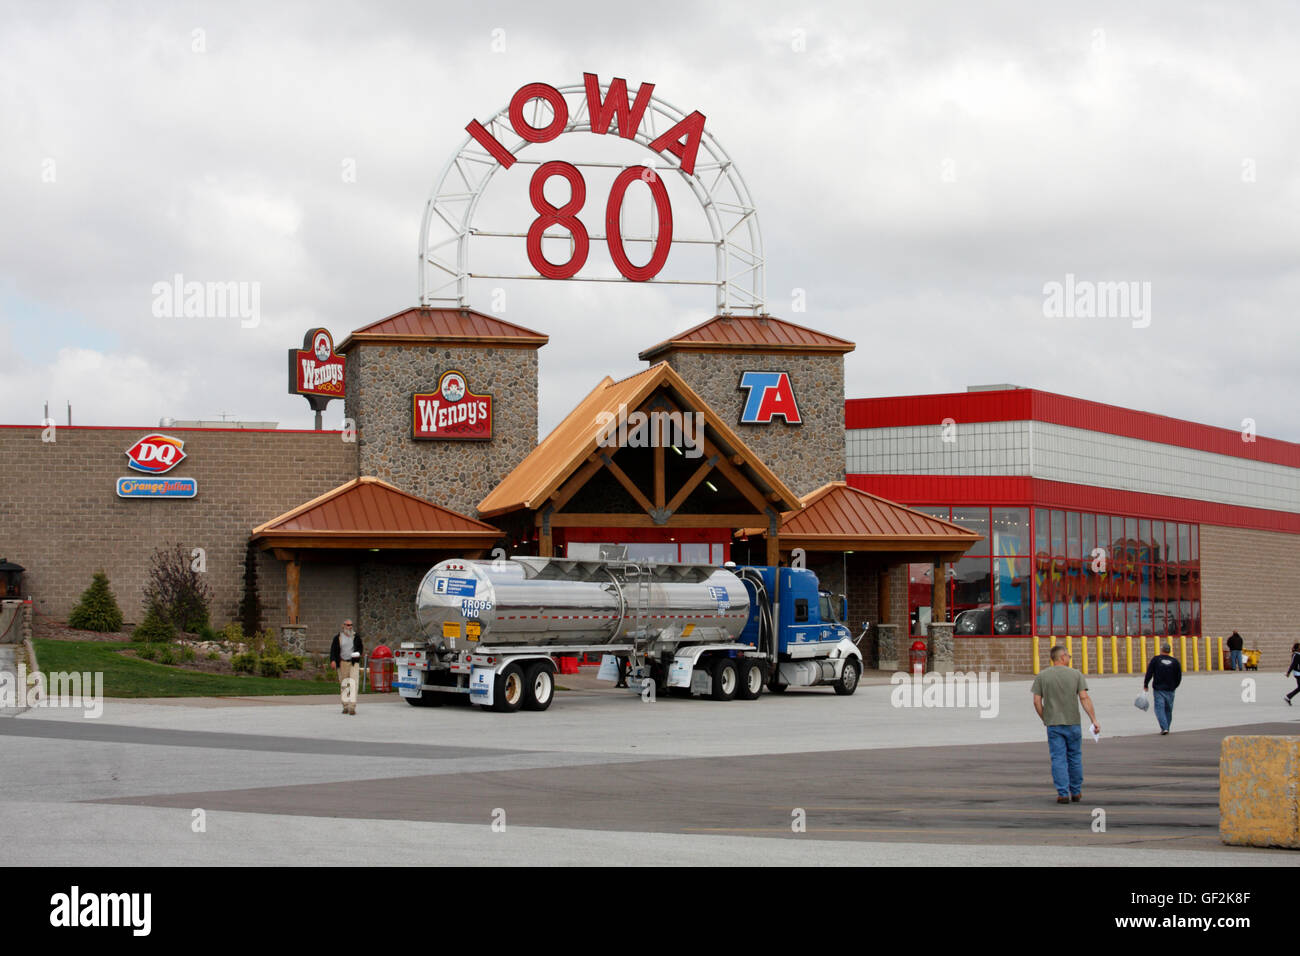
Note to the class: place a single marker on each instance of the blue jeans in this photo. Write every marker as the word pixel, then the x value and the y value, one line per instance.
pixel 1236 660
pixel 1065 741
pixel 1164 708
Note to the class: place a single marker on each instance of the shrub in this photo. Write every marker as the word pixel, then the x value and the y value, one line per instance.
pixel 148 652
pixel 166 655
pixel 187 654
pixel 213 656
pixel 177 589
pixel 153 628
pixel 97 610
pixel 271 666
pixel 244 663
pixel 250 607
pixel 294 662
pixel 206 633
pixel 232 633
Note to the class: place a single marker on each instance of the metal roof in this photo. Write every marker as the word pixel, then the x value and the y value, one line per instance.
pixel 761 333
pixel 421 326
pixel 838 517
pixel 369 513
pixel 565 449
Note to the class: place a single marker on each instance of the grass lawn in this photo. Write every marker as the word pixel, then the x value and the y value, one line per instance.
pixel 132 677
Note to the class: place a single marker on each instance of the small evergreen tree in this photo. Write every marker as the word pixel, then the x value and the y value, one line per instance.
pixel 154 627
pixel 97 610
pixel 250 608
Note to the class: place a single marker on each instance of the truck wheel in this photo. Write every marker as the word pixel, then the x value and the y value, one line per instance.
pixel 848 681
pixel 751 679
pixel 726 680
pixel 539 686
pixel 508 695
pixel 427 698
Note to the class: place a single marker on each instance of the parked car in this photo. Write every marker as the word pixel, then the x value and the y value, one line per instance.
pixel 1003 619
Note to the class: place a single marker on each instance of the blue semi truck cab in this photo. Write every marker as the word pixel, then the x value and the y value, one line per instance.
pixel 799 628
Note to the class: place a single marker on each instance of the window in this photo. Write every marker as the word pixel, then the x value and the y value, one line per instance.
pixel 801 610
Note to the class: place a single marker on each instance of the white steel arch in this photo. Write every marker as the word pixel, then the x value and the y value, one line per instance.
pixel 447 227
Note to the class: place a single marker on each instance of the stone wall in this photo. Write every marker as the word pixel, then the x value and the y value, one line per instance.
pixel 61 518
pixel 381 381
pixel 387 602
pixel 804 456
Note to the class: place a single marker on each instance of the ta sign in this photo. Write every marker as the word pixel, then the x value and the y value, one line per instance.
pixel 681 140
pixel 769 395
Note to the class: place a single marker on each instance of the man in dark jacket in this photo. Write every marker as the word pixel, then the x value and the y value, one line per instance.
pixel 1165 674
pixel 346 653
pixel 1235 645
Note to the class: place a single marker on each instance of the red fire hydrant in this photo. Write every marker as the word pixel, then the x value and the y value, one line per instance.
pixel 381 669
pixel 916 657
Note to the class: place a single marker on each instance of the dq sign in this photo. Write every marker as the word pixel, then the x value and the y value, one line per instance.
pixel 155 454
pixel 770 394
pixel 451 413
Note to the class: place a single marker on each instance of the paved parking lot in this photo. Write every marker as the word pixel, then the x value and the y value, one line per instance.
pixel 604 777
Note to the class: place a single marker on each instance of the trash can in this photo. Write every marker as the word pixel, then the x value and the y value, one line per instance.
pixel 381 669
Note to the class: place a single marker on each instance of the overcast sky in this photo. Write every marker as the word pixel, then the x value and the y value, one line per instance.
pixel 921 170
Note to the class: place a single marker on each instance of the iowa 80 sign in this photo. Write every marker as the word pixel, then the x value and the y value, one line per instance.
pixel 679 145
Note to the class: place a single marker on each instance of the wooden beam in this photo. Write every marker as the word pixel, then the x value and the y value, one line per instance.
pixel 774 550
pixel 692 483
pixel 566 520
pixel 291 575
pixel 575 482
pixel 939 602
pixel 743 485
pixel 626 482
pixel 660 494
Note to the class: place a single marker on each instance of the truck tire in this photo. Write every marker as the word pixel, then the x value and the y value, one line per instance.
pixel 726 679
pixel 750 686
pixel 427 698
pixel 848 679
pixel 539 686
pixel 509 693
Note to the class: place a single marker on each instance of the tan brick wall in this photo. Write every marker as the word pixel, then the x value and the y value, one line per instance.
pixel 61 518
pixel 1247 581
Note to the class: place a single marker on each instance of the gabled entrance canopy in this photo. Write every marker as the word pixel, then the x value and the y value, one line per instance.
pixel 644 452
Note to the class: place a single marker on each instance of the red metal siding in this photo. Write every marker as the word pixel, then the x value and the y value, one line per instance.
pixel 981 490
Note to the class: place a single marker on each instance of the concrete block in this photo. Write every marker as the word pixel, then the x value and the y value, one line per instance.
pixel 1259 791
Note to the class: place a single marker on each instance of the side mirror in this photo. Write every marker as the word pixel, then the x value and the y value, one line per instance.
pixel 844 608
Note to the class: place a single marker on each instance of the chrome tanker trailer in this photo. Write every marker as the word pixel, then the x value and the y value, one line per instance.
pixel 492 630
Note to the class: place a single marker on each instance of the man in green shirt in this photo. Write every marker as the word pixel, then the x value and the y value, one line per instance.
pixel 1058 692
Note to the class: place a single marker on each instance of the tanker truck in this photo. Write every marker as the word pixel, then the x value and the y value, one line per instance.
pixel 493 630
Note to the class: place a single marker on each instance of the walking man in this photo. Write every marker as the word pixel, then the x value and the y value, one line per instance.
pixel 1235 645
pixel 1165 674
pixel 1058 692
pixel 346 651
pixel 1293 669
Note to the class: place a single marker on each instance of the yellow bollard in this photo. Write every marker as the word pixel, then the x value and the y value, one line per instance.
pixel 1036 666
pixel 1196 653
pixel 1114 655
pixel 1128 639
pixel 1069 648
pixel 1142 650
pixel 1083 645
pixel 1182 656
pixel 1220 653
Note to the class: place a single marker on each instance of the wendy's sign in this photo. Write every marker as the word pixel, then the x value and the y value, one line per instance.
pixel 155 454
pixel 452 413
pixel 617 110
pixel 316 371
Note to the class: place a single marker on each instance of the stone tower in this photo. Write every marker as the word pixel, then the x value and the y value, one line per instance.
pixel 713 358
pixel 406 405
